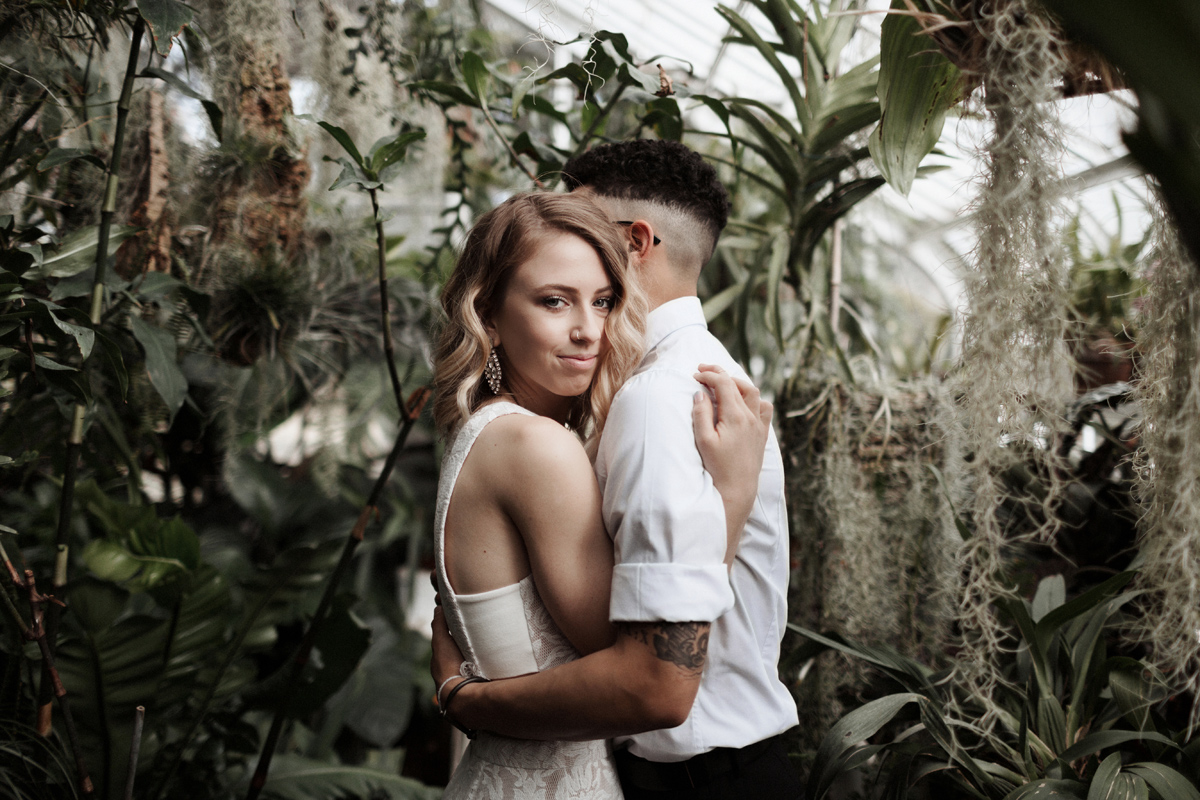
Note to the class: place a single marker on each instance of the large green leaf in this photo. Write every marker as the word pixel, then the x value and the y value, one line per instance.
pixel 118 663
pixel 843 122
pixel 96 603
pixel 377 700
pixel 1156 51
pixel 150 557
pixel 449 90
pixel 851 729
pixel 1102 740
pixel 166 19
pixel 1090 599
pixel 341 642
pixel 339 135
pixel 108 673
pixel 1155 47
pixel 909 672
pixel 751 37
pixel 1105 779
pixel 917 85
pixel 215 116
pixel 1045 789
pixel 77 252
pixel 161 363
pixel 62 155
pixel 387 153
pixel 476 77
pixel 84 336
pixel 1166 782
pixel 203 619
pixel 288 590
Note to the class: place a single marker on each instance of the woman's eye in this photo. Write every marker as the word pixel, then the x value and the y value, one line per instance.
pixel 604 302
pixel 554 302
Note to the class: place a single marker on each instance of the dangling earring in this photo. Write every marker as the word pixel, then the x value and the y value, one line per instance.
pixel 491 372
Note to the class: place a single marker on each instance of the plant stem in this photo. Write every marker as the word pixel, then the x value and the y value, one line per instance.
pixel 112 174
pixel 389 351
pixel 231 652
pixel 604 112
pixel 409 412
pixel 75 439
pixel 835 276
pixel 37 633
pixel 54 613
pixel 135 749
pixel 296 668
pixel 516 159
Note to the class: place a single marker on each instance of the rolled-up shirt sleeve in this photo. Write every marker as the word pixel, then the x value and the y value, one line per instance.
pixel 661 508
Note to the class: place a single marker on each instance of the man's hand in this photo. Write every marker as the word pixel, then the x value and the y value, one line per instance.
pixel 731 434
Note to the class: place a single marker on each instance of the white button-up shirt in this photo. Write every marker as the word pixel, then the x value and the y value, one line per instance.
pixel 668 527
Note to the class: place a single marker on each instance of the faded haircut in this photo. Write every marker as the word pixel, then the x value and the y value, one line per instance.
pixel 665 182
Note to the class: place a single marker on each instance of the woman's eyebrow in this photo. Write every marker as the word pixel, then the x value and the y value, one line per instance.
pixel 562 288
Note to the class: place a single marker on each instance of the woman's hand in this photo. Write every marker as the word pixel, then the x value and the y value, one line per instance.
pixel 447 659
pixel 731 434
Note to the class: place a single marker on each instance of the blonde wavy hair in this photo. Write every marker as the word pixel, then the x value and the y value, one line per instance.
pixel 500 241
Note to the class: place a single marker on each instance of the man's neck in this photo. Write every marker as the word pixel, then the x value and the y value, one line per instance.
pixel 662 291
pixel 662 298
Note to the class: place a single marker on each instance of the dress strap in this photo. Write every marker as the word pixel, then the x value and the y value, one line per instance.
pixel 461 442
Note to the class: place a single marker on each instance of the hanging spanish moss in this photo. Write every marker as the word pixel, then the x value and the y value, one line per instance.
pixel 873 540
pixel 1169 464
pixel 1015 374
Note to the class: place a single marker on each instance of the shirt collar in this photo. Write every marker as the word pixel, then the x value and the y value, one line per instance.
pixel 672 315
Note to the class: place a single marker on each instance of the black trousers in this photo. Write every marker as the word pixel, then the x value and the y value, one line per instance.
pixel 769 776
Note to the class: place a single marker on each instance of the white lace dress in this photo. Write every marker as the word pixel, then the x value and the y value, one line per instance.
pixel 504 633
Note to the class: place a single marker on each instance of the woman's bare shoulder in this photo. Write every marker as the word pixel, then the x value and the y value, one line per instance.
pixel 520 446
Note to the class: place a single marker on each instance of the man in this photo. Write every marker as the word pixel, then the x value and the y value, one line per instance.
pixel 690 689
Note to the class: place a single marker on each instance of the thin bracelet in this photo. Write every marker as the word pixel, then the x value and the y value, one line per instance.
pixel 445 707
pixel 438 696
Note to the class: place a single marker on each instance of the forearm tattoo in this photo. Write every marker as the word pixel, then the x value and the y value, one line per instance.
pixel 684 644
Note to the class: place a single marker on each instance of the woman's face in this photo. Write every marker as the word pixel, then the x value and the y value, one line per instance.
pixel 550 323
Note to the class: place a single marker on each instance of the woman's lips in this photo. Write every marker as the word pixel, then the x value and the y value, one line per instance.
pixel 579 362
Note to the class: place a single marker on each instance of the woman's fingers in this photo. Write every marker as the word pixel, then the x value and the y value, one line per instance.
pixel 446 658
pixel 703 423
pixel 766 412
pixel 734 396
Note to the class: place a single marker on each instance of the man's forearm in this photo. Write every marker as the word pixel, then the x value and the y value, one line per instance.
pixel 646 681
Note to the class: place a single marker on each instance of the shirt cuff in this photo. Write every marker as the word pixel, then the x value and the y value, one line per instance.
pixel 669 593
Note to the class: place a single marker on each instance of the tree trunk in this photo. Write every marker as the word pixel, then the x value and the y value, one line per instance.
pixel 152 211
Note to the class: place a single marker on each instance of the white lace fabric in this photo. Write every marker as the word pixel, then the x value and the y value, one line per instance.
pixel 497 767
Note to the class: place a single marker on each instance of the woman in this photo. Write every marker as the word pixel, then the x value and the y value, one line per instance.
pixel 544 325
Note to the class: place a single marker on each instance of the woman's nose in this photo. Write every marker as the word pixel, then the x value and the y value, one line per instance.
pixel 588 327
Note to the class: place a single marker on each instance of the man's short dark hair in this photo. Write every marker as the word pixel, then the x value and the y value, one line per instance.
pixel 656 171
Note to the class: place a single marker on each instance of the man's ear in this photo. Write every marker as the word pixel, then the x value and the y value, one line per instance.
pixel 641 238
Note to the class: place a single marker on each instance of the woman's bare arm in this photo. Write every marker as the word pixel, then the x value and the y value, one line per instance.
pixel 544 482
